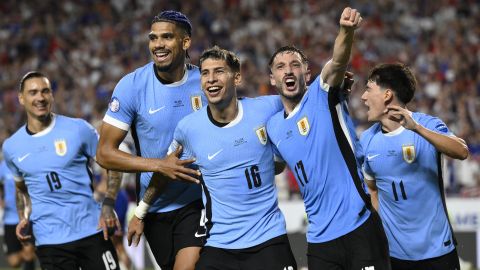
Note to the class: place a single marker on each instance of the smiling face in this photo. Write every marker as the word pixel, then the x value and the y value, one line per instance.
pixel 37 97
pixel 219 82
pixel 289 75
pixel 376 100
pixel 168 44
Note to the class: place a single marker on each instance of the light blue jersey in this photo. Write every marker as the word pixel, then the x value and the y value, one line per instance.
pixel 237 168
pixel 10 216
pixel 408 174
pixel 310 141
pixel 54 165
pixel 152 110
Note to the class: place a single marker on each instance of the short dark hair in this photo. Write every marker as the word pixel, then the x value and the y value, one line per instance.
pixel 288 48
pixel 221 54
pixel 397 77
pixel 176 18
pixel 30 75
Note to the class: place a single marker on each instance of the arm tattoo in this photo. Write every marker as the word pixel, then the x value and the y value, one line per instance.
pixel 113 184
pixel 24 205
pixel 156 186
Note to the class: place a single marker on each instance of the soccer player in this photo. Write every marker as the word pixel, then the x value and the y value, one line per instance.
pixel 150 101
pixel 245 227
pixel 403 168
pixel 15 251
pixel 49 158
pixel 315 136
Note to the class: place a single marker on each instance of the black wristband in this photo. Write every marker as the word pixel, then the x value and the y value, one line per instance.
pixel 109 202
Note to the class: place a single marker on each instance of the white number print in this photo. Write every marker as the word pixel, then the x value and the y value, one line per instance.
pixel 369 268
pixel 202 230
pixel 288 268
pixel 109 261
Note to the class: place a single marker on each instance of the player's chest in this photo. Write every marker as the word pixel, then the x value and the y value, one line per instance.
pixel 168 107
pixel 229 147
pixel 47 154
pixel 388 155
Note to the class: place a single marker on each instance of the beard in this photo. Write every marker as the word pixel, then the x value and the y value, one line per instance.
pixel 164 68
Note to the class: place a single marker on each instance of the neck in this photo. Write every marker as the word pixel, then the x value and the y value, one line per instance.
pixel 224 114
pixel 37 124
pixel 290 104
pixel 171 76
pixel 389 125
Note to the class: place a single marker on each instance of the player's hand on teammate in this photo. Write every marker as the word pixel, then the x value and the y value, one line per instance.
pixel 402 116
pixel 23 231
pixel 108 221
pixel 350 18
pixel 135 231
pixel 174 168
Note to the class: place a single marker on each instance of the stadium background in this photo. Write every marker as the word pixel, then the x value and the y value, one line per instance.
pixel 86 46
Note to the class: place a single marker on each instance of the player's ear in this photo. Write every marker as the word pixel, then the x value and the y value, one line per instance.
pixel 272 80
pixel 186 42
pixel 20 99
pixel 237 77
pixel 308 75
pixel 388 95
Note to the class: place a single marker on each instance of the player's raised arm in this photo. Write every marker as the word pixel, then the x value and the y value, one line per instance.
pixel 334 71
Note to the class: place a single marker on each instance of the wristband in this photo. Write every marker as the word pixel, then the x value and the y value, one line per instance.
pixel 141 210
pixel 109 202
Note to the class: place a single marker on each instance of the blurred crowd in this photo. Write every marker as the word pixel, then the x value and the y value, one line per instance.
pixel 86 46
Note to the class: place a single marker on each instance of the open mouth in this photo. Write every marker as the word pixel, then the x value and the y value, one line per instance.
pixel 213 89
pixel 290 83
pixel 161 55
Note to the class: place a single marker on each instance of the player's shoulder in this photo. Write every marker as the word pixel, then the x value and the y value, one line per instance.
pixel 423 117
pixel 193 119
pixel 18 136
pixel 370 132
pixel 137 76
pixel 79 123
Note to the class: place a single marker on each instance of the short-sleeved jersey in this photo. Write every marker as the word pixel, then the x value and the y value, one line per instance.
pixel 54 165
pixel 152 110
pixel 237 166
pixel 408 173
pixel 310 141
pixel 10 216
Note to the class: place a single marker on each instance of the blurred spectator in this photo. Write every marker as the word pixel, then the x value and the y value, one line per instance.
pixel 88 45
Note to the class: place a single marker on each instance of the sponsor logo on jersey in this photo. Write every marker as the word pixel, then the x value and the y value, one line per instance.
pixel 114 105
pixel 408 153
pixel 61 147
pixel 303 126
pixel 262 135
pixel 196 102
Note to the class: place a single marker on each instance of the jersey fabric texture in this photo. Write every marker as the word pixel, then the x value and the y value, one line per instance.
pixel 408 173
pixel 236 162
pixel 10 216
pixel 151 110
pixel 309 141
pixel 54 165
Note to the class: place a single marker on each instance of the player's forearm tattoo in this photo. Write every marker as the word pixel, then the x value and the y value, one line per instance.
pixel 113 184
pixel 155 188
pixel 23 202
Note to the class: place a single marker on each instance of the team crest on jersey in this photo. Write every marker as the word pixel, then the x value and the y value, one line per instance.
pixel 262 135
pixel 408 153
pixel 61 147
pixel 114 105
pixel 303 126
pixel 196 102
